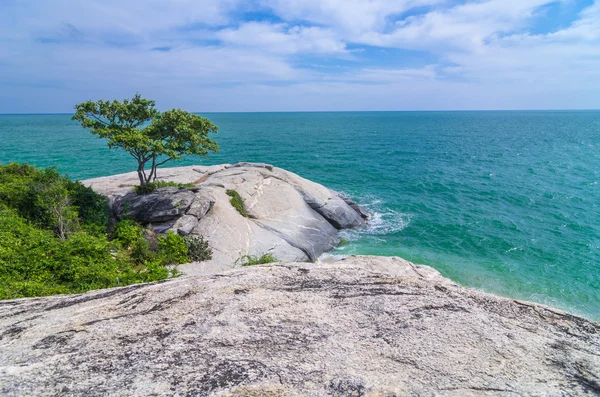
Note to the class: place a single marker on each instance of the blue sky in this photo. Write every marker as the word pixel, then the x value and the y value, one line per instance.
pixel 301 55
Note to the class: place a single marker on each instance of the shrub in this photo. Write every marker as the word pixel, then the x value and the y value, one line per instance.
pixel 198 249
pixel 34 262
pixel 250 260
pixel 153 186
pixel 93 208
pixel 130 236
pixel 127 232
pixel 51 200
pixel 172 249
pixel 53 238
pixel 237 202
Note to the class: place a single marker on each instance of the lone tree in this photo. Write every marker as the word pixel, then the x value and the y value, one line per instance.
pixel 150 136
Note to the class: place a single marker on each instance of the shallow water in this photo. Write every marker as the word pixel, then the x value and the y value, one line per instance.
pixel 507 202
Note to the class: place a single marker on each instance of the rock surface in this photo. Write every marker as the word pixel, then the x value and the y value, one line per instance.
pixel 364 326
pixel 290 217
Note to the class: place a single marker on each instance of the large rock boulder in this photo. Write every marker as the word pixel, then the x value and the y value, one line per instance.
pixel 163 205
pixel 289 217
pixel 364 326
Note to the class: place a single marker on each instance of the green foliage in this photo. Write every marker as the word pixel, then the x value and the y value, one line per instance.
pixel 152 186
pixel 130 237
pixel 127 232
pixel 34 262
pixel 93 208
pixel 151 137
pixel 237 202
pixel 137 244
pixel 250 260
pixel 53 238
pixel 52 201
pixel 172 249
pixel 198 249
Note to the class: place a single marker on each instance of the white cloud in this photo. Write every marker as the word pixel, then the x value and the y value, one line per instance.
pixel 464 27
pixel 350 17
pixel 281 38
pixel 480 53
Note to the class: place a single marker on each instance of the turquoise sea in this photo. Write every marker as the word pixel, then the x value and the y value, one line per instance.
pixel 506 202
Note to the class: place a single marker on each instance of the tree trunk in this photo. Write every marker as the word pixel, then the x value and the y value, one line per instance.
pixel 142 174
pixel 152 176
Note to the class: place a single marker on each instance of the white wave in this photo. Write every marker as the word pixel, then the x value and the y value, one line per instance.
pixel 387 222
pixel 383 220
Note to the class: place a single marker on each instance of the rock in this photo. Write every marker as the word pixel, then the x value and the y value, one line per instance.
pixel 231 237
pixel 159 206
pixel 119 185
pixel 364 326
pixel 290 217
pixel 185 224
pixel 274 205
pixel 255 165
pixel 201 204
pixel 162 227
pixel 324 201
pixel 335 210
pixel 363 214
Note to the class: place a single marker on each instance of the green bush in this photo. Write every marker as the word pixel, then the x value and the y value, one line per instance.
pixel 237 202
pixel 127 232
pixel 93 208
pixel 172 249
pixel 130 237
pixel 250 260
pixel 53 239
pixel 152 186
pixel 34 262
pixel 52 201
pixel 198 249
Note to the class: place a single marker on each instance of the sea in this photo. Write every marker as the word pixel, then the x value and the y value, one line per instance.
pixel 506 202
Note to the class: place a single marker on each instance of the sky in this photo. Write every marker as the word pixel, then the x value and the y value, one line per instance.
pixel 301 55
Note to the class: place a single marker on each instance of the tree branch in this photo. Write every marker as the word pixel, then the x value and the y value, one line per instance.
pixel 170 158
pixel 98 119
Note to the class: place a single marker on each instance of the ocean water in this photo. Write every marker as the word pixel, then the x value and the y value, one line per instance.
pixel 506 202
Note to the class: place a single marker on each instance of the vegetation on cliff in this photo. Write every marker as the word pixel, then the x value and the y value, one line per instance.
pixel 55 239
pixel 237 202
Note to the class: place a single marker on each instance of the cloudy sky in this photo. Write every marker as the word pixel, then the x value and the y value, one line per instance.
pixel 279 55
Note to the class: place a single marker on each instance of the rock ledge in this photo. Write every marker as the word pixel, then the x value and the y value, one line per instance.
pixel 364 326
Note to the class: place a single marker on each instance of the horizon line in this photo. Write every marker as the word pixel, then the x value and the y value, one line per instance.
pixel 335 111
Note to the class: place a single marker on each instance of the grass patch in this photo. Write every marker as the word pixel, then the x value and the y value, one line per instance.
pixel 153 186
pixel 250 260
pixel 237 202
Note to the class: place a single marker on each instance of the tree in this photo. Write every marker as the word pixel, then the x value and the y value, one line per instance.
pixel 150 136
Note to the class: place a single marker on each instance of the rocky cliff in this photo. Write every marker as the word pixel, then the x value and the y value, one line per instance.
pixel 364 326
pixel 289 217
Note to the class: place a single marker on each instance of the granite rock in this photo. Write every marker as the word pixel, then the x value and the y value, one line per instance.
pixel 363 326
pixel 159 206
pixel 290 217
